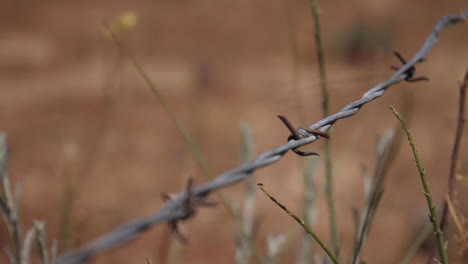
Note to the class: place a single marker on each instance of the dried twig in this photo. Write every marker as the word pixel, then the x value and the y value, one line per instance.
pixel 456 218
pixel 456 147
pixel 454 157
pixel 174 209
pixel 459 223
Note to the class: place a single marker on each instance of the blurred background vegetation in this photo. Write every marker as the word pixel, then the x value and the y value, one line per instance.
pixel 94 148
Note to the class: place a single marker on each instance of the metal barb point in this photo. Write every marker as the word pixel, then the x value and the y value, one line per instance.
pixel 411 71
pixel 189 206
pixel 297 134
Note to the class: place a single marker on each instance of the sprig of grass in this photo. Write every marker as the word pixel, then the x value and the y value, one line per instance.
pixel 320 55
pixel 244 247
pixel 9 209
pixel 433 217
pixel 326 111
pixel 294 50
pixel 9 203
pixel 373 191
pixel 309 209
pixel 303 225
pixel 305 254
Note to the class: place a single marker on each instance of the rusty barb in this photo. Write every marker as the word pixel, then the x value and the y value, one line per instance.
pixel 410 72
pixel 299 133
pixel 189 208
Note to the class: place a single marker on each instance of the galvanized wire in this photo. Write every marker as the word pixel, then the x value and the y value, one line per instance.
pixel 174 209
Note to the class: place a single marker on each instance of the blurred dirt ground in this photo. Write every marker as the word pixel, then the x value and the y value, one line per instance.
pixel 87 135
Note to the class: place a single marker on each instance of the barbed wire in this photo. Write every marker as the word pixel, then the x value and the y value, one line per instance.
pixel 175 209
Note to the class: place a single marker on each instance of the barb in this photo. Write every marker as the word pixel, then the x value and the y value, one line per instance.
pixel 173 209
pixel 299 133
pixel 189 207
pixel 411 71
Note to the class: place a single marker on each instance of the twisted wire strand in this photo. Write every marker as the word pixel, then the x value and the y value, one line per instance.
pixel 173 209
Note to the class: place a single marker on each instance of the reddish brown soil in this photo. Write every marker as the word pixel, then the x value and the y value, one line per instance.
pixel 82 123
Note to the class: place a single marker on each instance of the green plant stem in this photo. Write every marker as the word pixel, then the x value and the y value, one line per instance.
pixel 326 111
pixel 427 191
pixel 306 252
pixel 295 76
pixel 331 198
pixel 303 225
pixel 320 55
pixel 185 135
